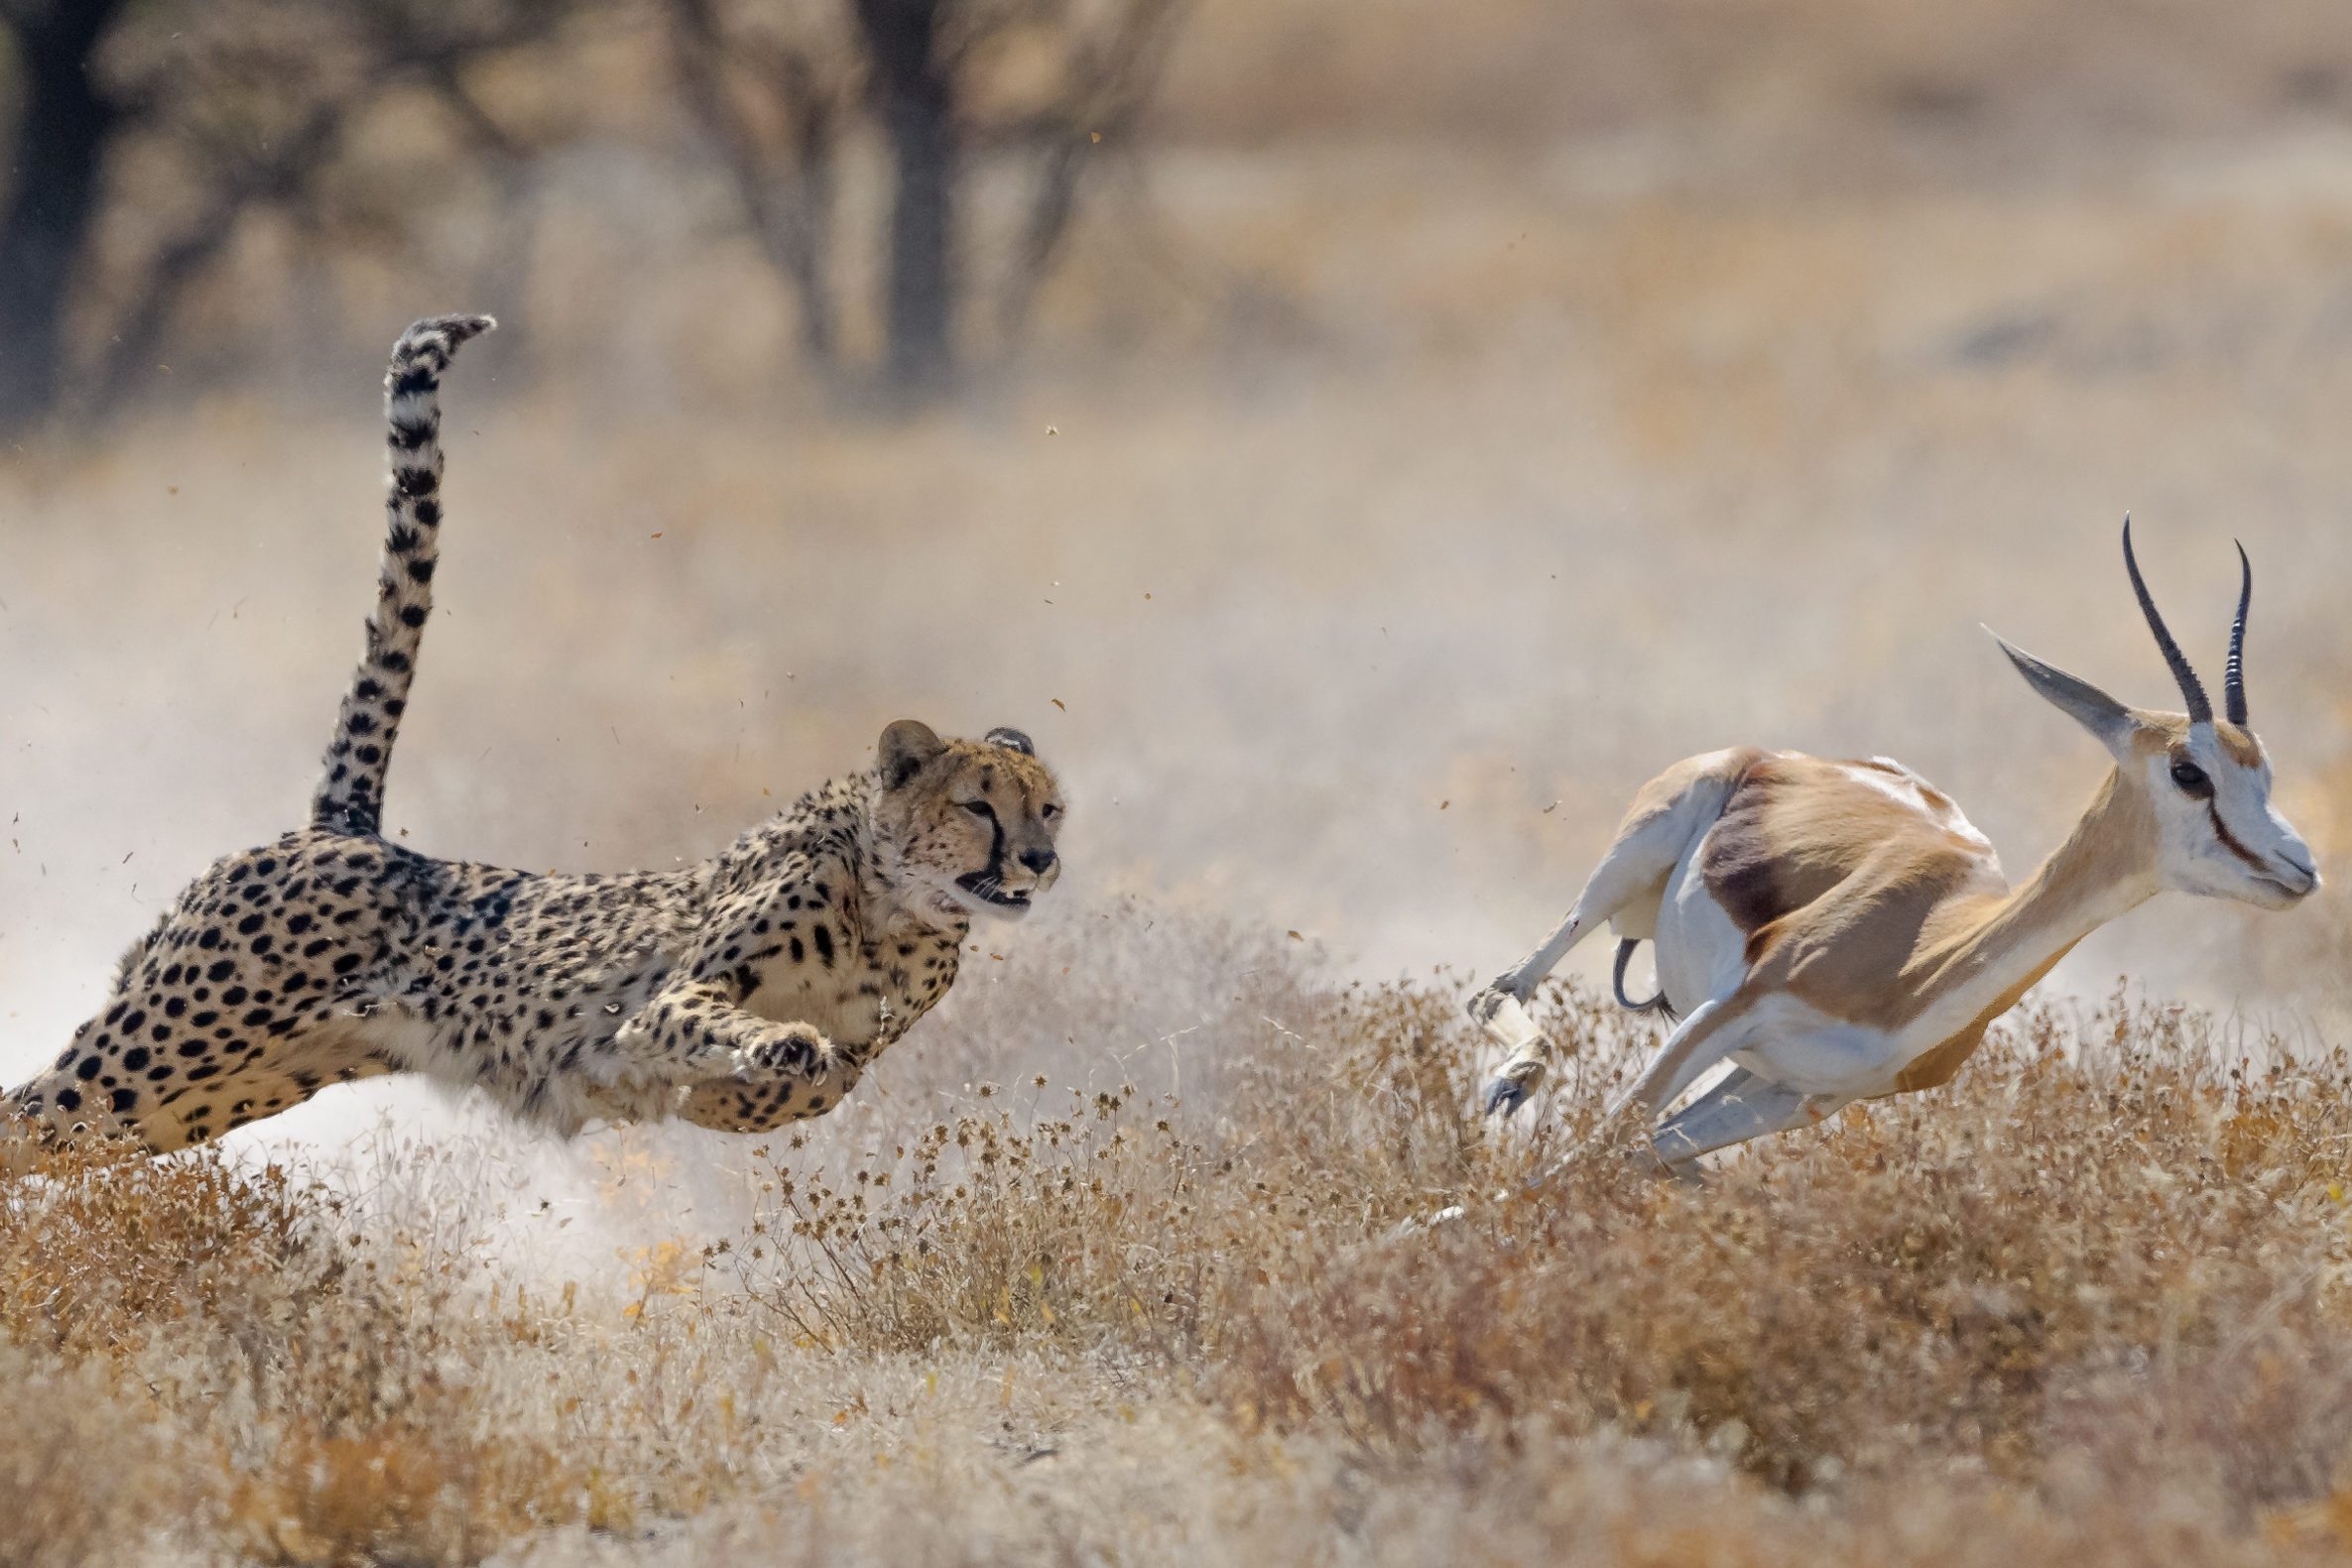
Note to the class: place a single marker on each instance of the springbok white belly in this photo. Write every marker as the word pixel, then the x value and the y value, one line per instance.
pixel 1796 1045
pixel 1701 953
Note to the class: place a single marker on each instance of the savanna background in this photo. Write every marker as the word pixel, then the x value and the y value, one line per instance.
pixel 1361 441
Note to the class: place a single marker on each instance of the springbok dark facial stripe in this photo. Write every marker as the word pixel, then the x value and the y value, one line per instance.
pixel 2229 840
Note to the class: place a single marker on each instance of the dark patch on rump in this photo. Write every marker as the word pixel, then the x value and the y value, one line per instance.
pixel 1737 858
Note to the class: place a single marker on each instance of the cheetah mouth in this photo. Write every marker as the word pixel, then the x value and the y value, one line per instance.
pixel 990 891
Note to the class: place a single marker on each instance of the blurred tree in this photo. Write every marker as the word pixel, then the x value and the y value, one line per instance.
pixel 194 115
pixel 65 123
pixel 149 137
pixel 773 103
pixel 255 105
pixel 912 86
pixel 1045 82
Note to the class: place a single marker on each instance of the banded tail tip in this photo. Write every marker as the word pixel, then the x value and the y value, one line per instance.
pixel 447 330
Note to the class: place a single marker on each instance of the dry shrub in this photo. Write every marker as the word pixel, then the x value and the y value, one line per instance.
pixel 424 1486
pixel 305 1368
pixel 355 1397
pixel 86 1473
pixel 356 1427
pixel 1908 1287
pixel 2104 1199
pixel 2088 1302
pixel 2104 1204
pixel 96 1254
pixel 991 1230
pixel 1112 1217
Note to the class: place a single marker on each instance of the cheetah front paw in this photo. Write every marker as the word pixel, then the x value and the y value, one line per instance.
pixel 791 1055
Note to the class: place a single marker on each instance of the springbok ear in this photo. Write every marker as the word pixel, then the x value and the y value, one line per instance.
pixel 905 747
pixel 1012 740
pixel 2108 720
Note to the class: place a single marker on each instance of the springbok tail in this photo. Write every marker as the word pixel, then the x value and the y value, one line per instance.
pixel 1656 1003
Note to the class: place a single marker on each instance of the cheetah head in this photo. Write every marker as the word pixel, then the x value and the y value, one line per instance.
pixel 966 827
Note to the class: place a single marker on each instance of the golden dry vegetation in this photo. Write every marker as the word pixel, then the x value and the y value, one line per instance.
pixel 1465 418
pixel 2091 1305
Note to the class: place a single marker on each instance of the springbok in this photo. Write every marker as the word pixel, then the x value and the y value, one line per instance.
pixel 1837 930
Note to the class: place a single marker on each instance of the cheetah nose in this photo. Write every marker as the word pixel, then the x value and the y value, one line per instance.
pixel 1039 861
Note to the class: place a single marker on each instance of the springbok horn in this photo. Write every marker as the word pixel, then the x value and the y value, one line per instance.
pixel 2233 681
pixel 2192 690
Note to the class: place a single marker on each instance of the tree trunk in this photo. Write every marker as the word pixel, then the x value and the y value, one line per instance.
pixel 794 232
pixel 809 241
pixel 916 100
pixel 58 162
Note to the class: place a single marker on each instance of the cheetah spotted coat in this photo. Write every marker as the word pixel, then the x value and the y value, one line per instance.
pixel 739 992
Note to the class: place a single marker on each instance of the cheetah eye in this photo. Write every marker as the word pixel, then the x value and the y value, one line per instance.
pixel 2191 779
pixel 1049 811
pixel 979 808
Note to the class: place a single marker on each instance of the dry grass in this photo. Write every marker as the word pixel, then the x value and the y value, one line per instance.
pixel 2094 1302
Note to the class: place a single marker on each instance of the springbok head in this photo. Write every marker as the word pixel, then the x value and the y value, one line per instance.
pixel 2205 781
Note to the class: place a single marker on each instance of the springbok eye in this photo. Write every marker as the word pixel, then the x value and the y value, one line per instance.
pixel 2192 779
pixel 979 808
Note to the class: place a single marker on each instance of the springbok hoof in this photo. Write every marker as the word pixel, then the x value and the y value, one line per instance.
pixel 1506 1097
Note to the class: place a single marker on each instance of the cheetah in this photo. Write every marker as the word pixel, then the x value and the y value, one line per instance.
pixel 738 993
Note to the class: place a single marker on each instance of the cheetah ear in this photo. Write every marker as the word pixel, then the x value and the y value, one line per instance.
pixel 905 747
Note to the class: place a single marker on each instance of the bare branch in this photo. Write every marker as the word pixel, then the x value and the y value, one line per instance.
pixel 284 166
pixel 1110 77
pixel 791 219
pixel 274 176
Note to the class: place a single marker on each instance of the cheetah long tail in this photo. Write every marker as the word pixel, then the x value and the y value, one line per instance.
pixel 350 796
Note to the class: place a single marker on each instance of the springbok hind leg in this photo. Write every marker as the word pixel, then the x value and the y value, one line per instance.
pixel 1669 815
pixel 1712 1032
pixel 1740 1107
pixel 1635 867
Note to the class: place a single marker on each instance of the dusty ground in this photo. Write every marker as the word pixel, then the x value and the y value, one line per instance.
pixel 1435 455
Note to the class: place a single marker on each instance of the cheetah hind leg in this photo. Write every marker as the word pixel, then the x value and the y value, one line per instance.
pixel 173 1102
